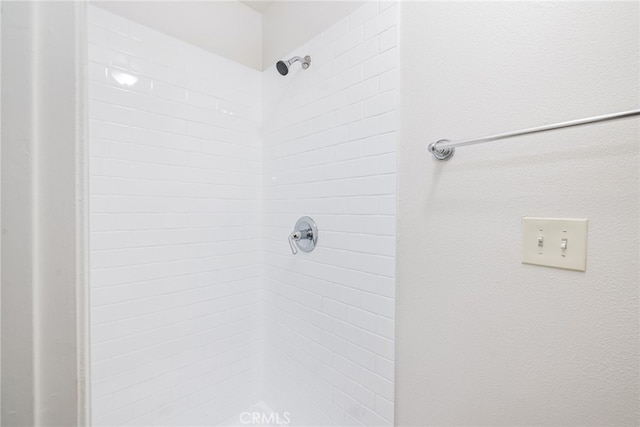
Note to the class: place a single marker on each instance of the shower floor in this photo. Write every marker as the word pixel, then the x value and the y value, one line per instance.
pixel 258 415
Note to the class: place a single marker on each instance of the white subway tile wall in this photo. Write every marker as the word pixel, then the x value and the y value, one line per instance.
pixel 330 153
pixel 186 201
pixel 175 188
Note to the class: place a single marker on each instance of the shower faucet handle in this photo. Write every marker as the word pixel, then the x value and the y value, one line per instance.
pixel 293 237
pixel 304 235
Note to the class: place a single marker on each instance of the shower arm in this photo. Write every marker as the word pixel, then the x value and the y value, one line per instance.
pixel 306 61
pixel 296 59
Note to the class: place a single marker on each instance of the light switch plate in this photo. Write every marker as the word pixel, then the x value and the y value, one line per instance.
pixel 555 242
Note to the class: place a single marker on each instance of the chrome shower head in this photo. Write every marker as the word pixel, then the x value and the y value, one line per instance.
pixel 283 66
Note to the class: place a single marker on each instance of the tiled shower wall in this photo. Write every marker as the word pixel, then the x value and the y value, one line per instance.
pixel 183 189
pixel 330 153
pixel 175 151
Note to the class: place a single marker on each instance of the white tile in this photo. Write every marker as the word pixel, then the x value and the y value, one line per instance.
pixel 108 130
pixel 380 185
pixel 347 331
pixel 333 68
pixel 169 276
pixel 148 68
pixel 361 318
pixel 377 344
pixel 385 327
pixel 363 52
pixel 97 72
pixel 388 39
pixel 335 101
pixel 334 308
pixel 336 30
pixel 348 78
pixel 384 408
pixel 349 114
pixel 379 144
pixel 378 65
pixel 360 393
pixel 346 366
pixel 324 122
pixel 349 405
pixel 387 122
pixel 378 105
pixel 365 128
pixel 383 21
pixel 377 304
pixel 364 90
pixel 165 90
pixel 122 43
pixel 363 357
pixel 377 384
pixel 388 80
pixel 384 368
pixel 348 41
pixel 384 4
pixel 364 13
pixel 371 418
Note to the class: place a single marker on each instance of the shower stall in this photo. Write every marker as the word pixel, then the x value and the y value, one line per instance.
pixel 201 312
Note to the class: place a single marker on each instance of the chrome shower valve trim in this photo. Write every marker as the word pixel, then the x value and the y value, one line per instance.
pixel 304 235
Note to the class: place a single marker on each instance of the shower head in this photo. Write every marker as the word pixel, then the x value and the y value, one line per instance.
pixel 283 66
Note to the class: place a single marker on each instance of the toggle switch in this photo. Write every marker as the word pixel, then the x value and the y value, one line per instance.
pixel 540 243
pixel 545 241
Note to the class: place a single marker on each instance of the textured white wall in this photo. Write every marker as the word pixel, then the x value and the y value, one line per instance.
pixel 175 229
pixel 481 338
pixel 330 153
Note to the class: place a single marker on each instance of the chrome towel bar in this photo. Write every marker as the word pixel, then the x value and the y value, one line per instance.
pixel 444 149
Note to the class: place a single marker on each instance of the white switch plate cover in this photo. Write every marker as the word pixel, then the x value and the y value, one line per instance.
pixel 542 240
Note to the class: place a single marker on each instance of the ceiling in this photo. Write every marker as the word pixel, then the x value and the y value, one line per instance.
pixel 226 28
pixel 258 5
